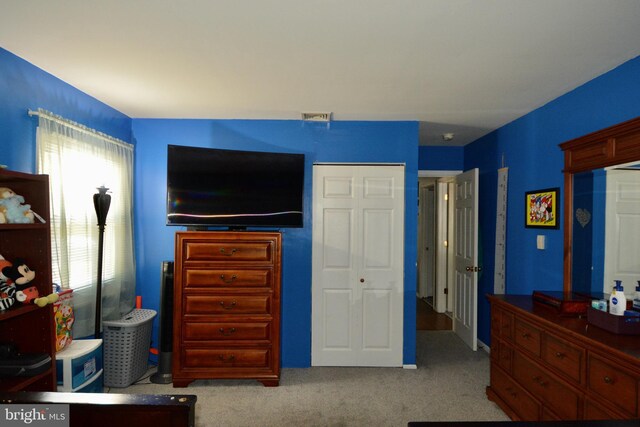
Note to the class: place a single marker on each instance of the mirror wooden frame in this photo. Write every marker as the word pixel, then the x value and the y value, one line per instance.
pixel 614 145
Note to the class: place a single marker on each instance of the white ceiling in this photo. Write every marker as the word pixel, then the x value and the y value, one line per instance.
pixel 462 66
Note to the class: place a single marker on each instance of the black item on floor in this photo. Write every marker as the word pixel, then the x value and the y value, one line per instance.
pixel 16 364
pixel 163 374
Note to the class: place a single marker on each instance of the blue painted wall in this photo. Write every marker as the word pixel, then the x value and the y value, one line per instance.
pixel 23 87
pixel 531 152
pixel 582 250
pixel 529 145
pixel 337 142
pixel 440 158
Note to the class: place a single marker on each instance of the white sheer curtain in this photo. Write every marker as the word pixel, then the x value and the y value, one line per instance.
pixel 78 160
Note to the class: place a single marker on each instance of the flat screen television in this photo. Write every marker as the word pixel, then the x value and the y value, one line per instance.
pixel 210 187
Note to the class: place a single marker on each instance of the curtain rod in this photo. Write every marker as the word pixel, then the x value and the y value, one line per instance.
pixel 79 127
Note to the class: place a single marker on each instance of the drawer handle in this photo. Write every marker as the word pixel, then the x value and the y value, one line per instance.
pixel 560 355
pixel 526 335
pixel 233 278
pixel 511 392
pixel 223 251
pixel 228 307
pixel 229 358
pixel 608 380
pixel 540 381
pixel 228 332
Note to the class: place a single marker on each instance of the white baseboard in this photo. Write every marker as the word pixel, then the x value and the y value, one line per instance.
pixel 484 346
pixel 410 366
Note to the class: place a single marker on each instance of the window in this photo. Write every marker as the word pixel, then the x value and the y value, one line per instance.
pixel 78 161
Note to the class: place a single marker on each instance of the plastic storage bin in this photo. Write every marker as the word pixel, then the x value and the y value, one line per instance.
pixel 94 385
pixel 80 365
pixel 126 347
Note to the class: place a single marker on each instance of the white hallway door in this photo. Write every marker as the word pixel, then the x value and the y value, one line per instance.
pixel 357 265
pixel 466 257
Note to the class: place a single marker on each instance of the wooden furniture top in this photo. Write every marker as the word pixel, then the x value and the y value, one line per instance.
pixel 109 410
pixel 627 346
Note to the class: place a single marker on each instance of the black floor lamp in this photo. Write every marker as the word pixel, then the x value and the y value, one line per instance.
pixel 101 201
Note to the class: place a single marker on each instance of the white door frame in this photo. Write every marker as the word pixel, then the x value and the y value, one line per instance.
pixel 444 254
pixel 444 294
pixel 622 222
pixel 426 239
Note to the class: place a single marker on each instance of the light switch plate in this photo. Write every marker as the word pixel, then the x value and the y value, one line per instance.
pixel 540 242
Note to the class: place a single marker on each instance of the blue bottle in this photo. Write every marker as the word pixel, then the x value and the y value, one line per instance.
pixel 636 298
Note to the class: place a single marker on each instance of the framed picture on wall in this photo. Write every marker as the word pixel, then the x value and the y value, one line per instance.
pixel 542 209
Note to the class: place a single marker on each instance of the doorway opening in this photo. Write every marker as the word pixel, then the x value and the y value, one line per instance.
pixel 434 296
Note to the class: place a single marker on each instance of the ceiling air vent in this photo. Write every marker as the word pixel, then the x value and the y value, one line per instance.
pixel 316 117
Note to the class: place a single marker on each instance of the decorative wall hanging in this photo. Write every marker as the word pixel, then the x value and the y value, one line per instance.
pixel 541 208
pixel 583 216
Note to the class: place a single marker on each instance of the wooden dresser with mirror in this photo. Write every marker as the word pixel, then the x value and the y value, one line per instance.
pixel 548 366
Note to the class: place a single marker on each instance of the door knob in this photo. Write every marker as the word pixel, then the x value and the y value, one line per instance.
pixel 361 280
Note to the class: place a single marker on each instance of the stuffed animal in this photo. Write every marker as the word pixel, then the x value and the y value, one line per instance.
pixel 13 209
pixel 4 263
pixel 22 277
pixel 7 296
pixel 7 288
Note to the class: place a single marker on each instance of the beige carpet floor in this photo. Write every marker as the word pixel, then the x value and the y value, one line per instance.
pixel 449 385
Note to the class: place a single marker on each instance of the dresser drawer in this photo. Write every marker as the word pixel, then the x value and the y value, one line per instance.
pixel 227 305
pixel 496 348
pixel 594 411
pixel 561 398
pixel 501 323
pixel 227 278
pixel 506 325
pixel 518 400
pixel 226 358
pixel 207 331
pixel 613 383
pixel 228 251
pixel 501 355
pixel 564 356
pixel 496 314
pixel 527 337
pixel 549 415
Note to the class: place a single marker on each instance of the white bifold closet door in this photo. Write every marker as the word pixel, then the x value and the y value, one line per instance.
pixel 357 272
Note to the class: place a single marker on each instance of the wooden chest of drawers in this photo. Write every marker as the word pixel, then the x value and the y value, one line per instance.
pixel 549 367
pixel 227 306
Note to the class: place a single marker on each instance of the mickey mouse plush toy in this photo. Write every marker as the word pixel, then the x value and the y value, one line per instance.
pixel 7 289
pixel 26 293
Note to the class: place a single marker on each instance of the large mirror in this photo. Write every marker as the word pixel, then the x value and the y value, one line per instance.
pixel 602 210
pixel 606 229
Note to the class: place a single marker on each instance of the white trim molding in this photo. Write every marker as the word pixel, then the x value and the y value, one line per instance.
pixel 436 174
